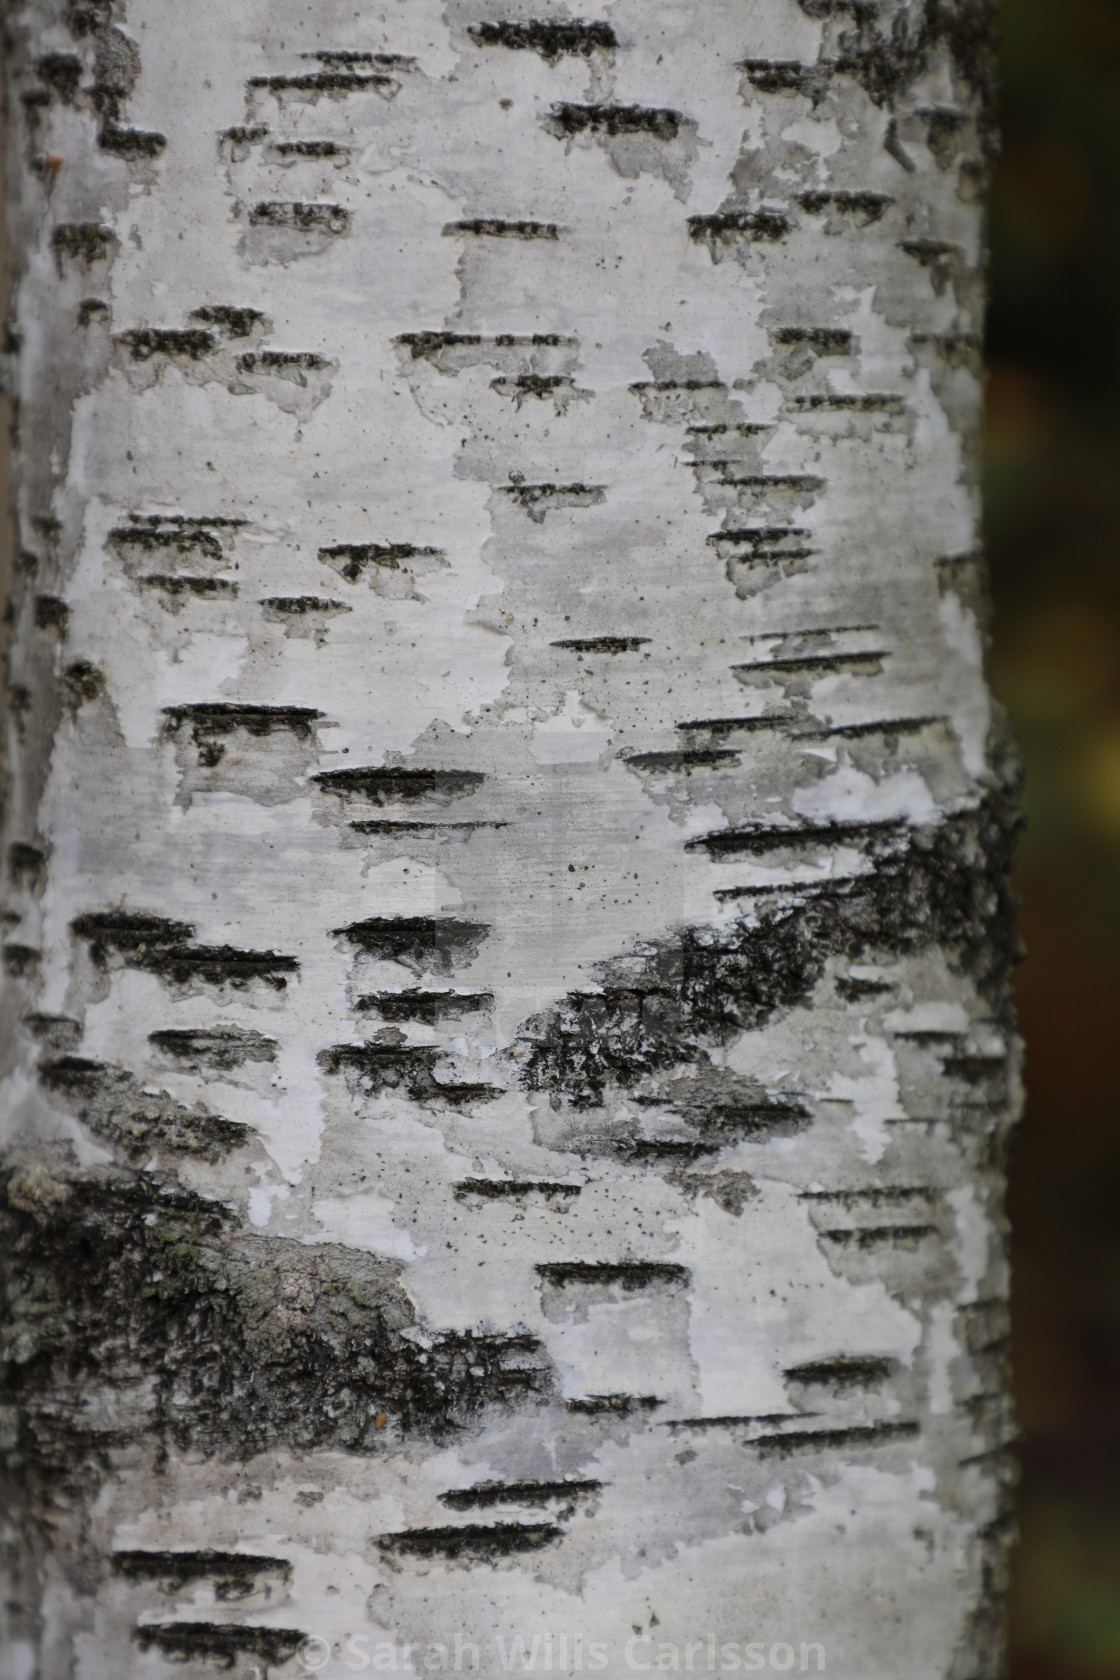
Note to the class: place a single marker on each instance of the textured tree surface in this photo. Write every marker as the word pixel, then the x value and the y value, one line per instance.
pixel 508 1063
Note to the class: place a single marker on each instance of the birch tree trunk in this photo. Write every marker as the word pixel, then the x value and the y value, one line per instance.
pixel 508 1055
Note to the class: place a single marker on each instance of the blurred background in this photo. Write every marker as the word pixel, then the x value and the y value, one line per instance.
pixel 1053 530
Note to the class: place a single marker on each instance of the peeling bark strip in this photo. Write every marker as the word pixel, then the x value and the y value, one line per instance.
pixel 506 1053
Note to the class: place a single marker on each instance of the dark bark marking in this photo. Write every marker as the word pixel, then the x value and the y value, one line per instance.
pixel 325 81
pixel 867 663
pixel 617 1405
pixel 764 482
pixel 487 227
pixel 220 1641
pixel 727 725
pixel 379 1068
pixel 215 1047
pixel 661 124
pixel 235 320
pixel 667 1149
pixel 766 837
pixel 295 606
pixel 385 785
pixel 127 933
pixel 958 349
pixel 484 1495
pixel 847 1371
pixel 540 499
pixel 386 61
pixel 62 72
pixel 501 1189
pixel 728 1189
pixel 222 717
pixel 875 1195
pixel 417 1005
pixel 540 385
pixel 791 557
pixel 184 537
pixel 767 537
pixel 925 1037
pixel 890 727
pixel 789 889
pixel 82 682
pixel 21 961
pixel 881 1236
pixel 274 361
pixel 82 242
pixel 159 946
pixel 862 402
pixel 87 18
pixel 234 1573
pixel 351 559
pixel 781 75
pixel 872 205
pixel 605 1274
pixel 427 345
pixel 219 965
pixel 928 251
pixel 696 758
pixel 51 614
pixel 142 343
pixel 552 40
pixel 602 644
pixel 941 261
pixel 246 134
pixel 726 227
pixel 826 1440
pixel 745 428
pixel 306 218
pixel 758 1122
pixel 433 830
pixel 417 940
pixel 26 863
pixel 748 1421
pixel 178 583
pixel 826 341
pixel 130 142
pixel 311 149
pixel 851 990
pixel 974 1067
pixel 472 1543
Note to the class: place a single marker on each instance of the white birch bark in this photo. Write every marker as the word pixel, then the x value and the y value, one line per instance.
pixel 507 1052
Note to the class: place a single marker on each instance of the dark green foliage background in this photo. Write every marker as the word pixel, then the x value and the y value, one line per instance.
pixel 1053 513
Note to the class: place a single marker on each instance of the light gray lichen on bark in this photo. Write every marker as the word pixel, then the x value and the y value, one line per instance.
pixel 507 1059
